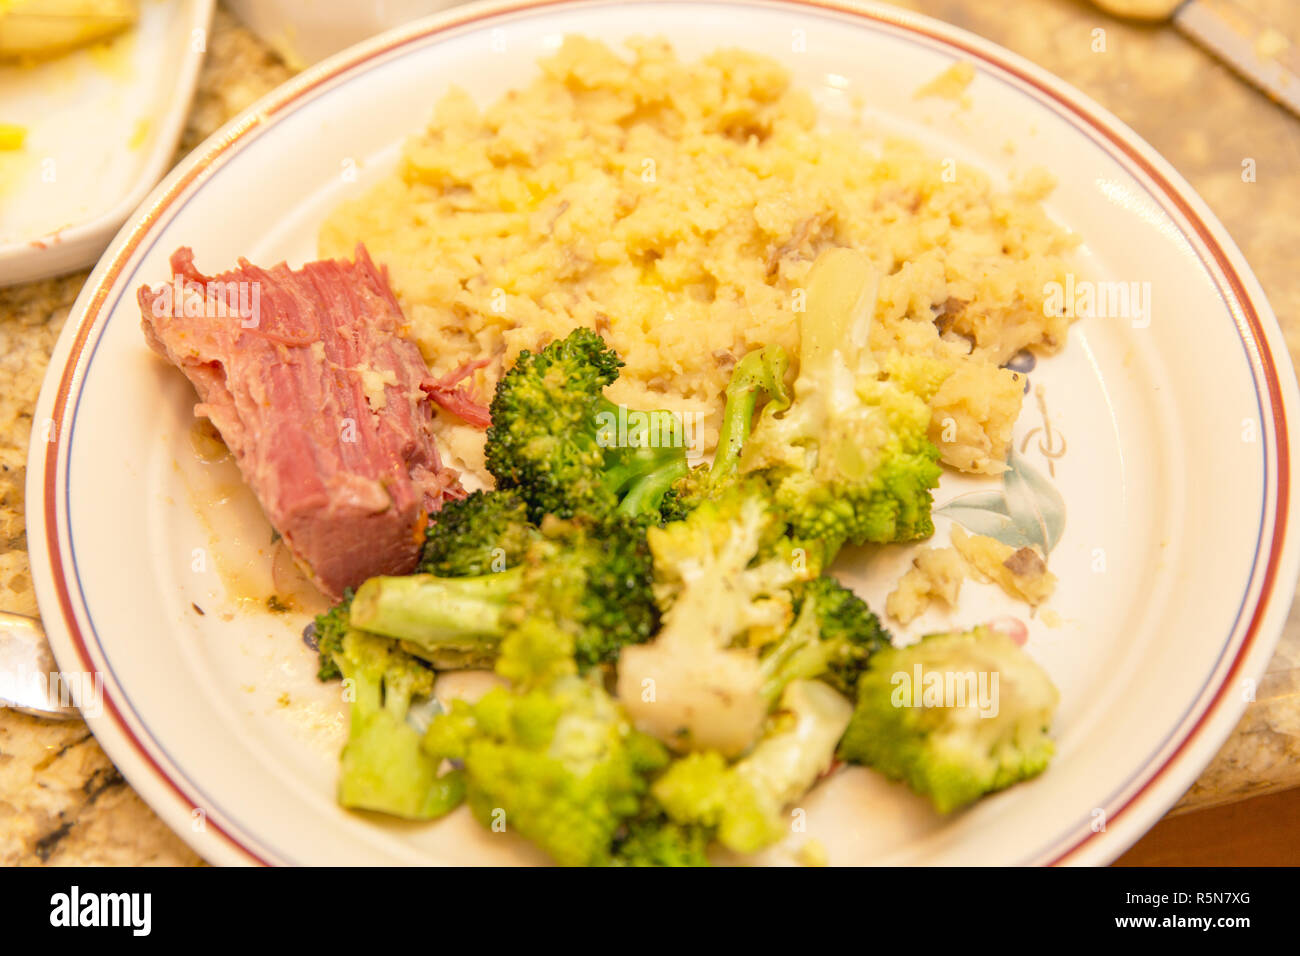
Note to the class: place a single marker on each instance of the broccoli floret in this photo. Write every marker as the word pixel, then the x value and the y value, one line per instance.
pixel 566 449
pixel 721 580
pixel 450 622
pixel 553 758
pixel 743 803
pixel 701 790
pixel 383 767
pixel 849 458
pixel 595 581
pixel 759 375
pixel 330 628
pixel 849 626
pixel 485 533
pixel 919 717
pixel 832 639
pixel 591 580
pixel 657 841
pixel 561 766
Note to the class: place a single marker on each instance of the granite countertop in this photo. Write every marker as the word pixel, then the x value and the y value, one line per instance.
pixel 63 802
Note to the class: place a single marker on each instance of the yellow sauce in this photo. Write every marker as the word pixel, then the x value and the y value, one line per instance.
pixel 35 29
pixel 256 567
pixel 17 168
pixel 11 136
pixel 140 134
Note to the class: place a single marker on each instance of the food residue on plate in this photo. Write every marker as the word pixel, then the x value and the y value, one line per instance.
pixel 39 29
pixel 951 84
pixel 936 574
pixel 1020 572
pixel 140 133
pixel 256 571
pixel 12 136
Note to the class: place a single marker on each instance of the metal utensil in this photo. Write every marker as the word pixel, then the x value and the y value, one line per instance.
pixel 1236 36
pixel 29 677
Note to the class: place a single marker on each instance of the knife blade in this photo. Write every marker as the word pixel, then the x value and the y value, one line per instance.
pixel 1257 51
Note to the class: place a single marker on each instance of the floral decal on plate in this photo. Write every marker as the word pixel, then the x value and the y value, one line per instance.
pixel 1027 512
pixel 1023 362
pixel 1051 443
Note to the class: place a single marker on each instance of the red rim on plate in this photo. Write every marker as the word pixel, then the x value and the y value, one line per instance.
pixel 1077 109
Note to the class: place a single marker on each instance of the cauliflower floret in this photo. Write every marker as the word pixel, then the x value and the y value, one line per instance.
pixel 690 687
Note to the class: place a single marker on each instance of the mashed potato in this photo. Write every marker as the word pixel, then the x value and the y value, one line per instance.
pixel 1020 572
pixel 936 574
pixel 676 209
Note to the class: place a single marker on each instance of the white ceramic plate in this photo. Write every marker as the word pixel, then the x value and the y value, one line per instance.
pixel 102 125
pixel 1179 553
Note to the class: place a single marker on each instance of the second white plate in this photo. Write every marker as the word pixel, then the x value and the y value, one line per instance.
pixel 101 127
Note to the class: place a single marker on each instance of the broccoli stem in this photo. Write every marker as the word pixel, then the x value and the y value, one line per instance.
pixel 647 493
pixel 382 767
pixel 783 766
pixel 761 371
pixel 383 770
pixel 799 655
pixel 436 614
pixel 641 471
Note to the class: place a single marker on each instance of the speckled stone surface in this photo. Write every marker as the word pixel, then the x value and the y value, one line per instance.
pixel 61 800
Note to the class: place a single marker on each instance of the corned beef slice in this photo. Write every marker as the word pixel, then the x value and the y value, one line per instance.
pixel 318 396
